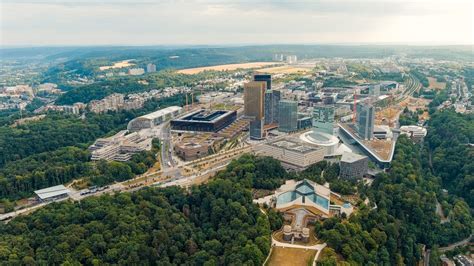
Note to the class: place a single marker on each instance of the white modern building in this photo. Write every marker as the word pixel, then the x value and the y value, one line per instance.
pixel 136 71
pixel 416 133
pixel 293 153
pixel 329 143
pixel 52 193
pixel 120 147
pixel 154 119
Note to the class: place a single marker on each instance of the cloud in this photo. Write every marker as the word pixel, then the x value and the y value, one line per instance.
pixel 143 22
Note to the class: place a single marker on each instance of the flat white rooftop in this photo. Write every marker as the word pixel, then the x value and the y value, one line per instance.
pixel 50 192
pixel 162 112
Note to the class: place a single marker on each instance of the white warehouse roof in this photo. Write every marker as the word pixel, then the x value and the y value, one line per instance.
pixel 50 192
pixel 162 112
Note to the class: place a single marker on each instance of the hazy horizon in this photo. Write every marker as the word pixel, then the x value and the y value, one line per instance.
pixel 32 23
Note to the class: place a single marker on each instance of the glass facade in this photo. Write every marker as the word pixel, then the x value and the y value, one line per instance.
pixel 268 107
pixel 365 121
pixel 288 111
pixel 323 119
pixel 256 129
pixel 306 191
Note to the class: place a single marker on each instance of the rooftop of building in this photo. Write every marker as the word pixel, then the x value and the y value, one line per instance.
pixel 305 188
pixel 350 157
pixel 50 192
pixel 381 149
pixel 294 145
pixel 162 112
pixel 205 115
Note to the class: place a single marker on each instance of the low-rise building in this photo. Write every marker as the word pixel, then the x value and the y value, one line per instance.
pixel 136 71
pixel 353 166
pixel 303 202
pixel 154 119
pixel 119 147
pixel 416 133
pixel 293 153
pixel 52 193
pixel 204 120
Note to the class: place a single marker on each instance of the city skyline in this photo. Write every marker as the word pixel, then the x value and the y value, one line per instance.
pixel 123 22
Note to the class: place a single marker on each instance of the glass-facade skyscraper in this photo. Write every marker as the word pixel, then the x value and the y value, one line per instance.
pixel 323 119
pixel 365 121
pixel 288 120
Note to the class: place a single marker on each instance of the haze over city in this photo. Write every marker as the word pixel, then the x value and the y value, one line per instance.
pixel 214 133
pixel 208 22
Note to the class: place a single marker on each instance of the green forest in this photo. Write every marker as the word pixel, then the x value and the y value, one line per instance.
pixel 217 223
pixel 213 224
pixel 54 151
pixel 128 84
pixel 450 157
pixel 393 228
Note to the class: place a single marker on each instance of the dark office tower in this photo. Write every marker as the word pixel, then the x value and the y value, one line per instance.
pixel 269 111
pixel 365 120
pixel 276 97
pixel 288 116
pixel 264 77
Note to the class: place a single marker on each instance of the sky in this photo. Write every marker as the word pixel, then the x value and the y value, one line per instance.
pixel 230 22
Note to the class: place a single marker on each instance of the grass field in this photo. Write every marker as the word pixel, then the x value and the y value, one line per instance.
pixel 434 84
pixel 290 257
pixel 228 67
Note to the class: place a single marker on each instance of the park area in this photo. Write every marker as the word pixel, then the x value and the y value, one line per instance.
pixel 291 257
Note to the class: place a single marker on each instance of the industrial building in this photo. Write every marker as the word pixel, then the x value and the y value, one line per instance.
pixel 204 120
pixel 154 119
pixel 254 95
pixel 353 166
pixel 293 153
pixel 288 120
pixel 52 193
pixel 119 147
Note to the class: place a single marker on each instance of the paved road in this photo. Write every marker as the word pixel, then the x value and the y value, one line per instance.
pixel 455 245
pixel 447 248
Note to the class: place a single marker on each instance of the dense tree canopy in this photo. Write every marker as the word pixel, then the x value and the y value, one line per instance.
pixel 211 224
pixel 393 230
pixel 53 150
pixel 450 137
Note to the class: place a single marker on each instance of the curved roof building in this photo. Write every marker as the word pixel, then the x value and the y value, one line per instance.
pixel 329 142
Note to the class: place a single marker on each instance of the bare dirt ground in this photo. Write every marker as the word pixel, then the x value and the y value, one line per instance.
pixel 284 70
pixel 434 84
pixel 124 63
pixel 228 67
